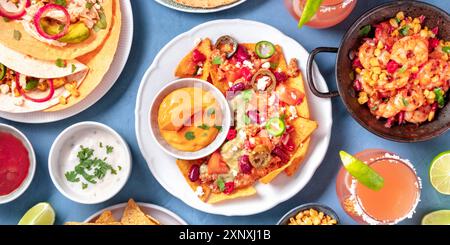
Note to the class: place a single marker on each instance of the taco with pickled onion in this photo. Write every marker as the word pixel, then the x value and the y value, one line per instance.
pixel 51 29
pixel 271 128
pixel 28 84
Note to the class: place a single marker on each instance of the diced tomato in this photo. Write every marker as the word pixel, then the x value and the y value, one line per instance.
pixel 383 33
pixel 433 43
pixel 435 30
pixel 422 18
pixel 357 63
pixel 392 66
pixel 246 73
pixel 231 134
pixel 280 76
pixel 229 188
pixel 216 165
pixel 197 56
pixel 233 75
pixel 248 145
pixel 290 96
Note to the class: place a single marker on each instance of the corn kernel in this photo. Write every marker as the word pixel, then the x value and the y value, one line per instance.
pixel 372 82
pixel 363 98
pixel 403 23
pixel 358 70
pixel 42 86
pixel 58 82
pixel 16 92
pixel 377 52
pixel 393 23
pixel 435 79
pixel 423 33
pixel 383 76
pixel 75 93
pixel 431 116
pixel 414 69
pixel 62 100
pixel 374 62
pixel 416 28
pixel 68 86
pixel 374 77
pixel 447 43
pixel 376 70
pixel 395 33
pixel 400 15
pixel 416 21
pixel 380 45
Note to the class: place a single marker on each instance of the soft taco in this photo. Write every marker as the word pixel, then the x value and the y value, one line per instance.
pixel 272 129
pixel 53 29
pixel 28 84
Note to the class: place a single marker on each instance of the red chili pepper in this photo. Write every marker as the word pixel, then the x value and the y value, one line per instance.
pixel 229 188
pixel 392 66
pixel 433 43
pixel 197 56
pixel 231 134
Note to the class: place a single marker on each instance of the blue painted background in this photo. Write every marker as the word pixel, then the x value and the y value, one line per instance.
pixel 156 25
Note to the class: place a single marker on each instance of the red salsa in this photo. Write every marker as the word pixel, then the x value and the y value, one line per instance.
pixel 14 163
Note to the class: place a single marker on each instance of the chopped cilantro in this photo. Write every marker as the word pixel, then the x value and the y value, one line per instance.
pixel 446 49
pixel 101 23
pixel 220 184
pixel 72 176
pixel 74 68
pixel 109 149
pixel 405 102
pixel 217 60
pixel 84 186
pixel 100 144
pixel 218 127
pixel 89 5
pixel 404 30
pixel 31 84
pixel 365 30
pixel 204 127
pixel 60 63
pixel 189 135
pixel 119 167
pixel 211 111
pixel 61 2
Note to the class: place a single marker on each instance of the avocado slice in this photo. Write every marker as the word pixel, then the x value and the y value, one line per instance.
pixel 77 33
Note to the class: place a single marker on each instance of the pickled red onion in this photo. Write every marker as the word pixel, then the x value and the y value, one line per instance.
pixel 40 13
pixel 17 13
pixel 37 100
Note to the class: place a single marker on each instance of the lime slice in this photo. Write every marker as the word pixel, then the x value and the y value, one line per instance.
pixel 440 173
pixel 441 217
pixel 309 11
pixel 361 172
pixel 41 214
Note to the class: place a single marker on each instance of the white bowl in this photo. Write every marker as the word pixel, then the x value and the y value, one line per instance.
pixel 27 181
pixel 57 174
pixel 185 83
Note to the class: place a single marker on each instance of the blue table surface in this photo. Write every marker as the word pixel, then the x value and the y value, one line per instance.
pixel 155 25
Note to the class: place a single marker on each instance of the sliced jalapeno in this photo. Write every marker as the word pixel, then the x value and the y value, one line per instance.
pixel 265 49
pixel 260 156
pixel 264 80
pixel 275 126
pixel 2 71
pixel 227 45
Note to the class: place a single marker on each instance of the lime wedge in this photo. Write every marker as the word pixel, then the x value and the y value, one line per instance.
pixel 361 172
pixel 440 217
pixel 309 11
pixel 41 214
pixel 440 173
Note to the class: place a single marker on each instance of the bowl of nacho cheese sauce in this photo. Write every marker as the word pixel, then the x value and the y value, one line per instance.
pixel 189 118
pixel 17 163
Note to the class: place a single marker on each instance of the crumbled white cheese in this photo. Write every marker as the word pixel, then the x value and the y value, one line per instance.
pixel 242 134
pixel 252 140
pixel 234 148
pixel 272 99
pixel 234 172
pixel 262 83
pixel 199 71
pixel 230 84
pixel 293 95
pixel 266 65
pixel 18 101
pixel 23 81
pixel 4 89
pixel 293 112
pixel 248 64
pixel 238 65
pixel 199 191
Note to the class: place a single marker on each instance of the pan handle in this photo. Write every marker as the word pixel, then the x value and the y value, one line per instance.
pixel 309 73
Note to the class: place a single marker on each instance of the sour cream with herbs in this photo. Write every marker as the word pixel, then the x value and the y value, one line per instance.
pixel 94 164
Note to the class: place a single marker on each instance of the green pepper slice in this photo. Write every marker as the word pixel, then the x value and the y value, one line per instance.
pixel 264 49
pixel 439 97
pixel 275 126
pixel 2 71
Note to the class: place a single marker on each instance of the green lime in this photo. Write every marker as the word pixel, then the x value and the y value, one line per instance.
pixel 440 217
pixel 361 172
pixel 440 173
pixel 309 11
pixel 41 214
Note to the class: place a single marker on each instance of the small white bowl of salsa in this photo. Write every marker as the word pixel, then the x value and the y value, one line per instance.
pixel 17 163
pixel 89 162
pixel 189 118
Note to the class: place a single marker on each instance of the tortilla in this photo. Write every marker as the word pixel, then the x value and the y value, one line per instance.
pixel 74 71
pixel 106 217
pixel 99 62
pixel 208 196
pixel 82 223
pixel 205 3
pixel 183 70
pixel 133 215
pixel 27 44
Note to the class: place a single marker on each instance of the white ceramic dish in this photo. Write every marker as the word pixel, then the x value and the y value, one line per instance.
pixel 163 166
pixel 163 215
pixel 173 5
pixel 120 59
pixel 184 83
pixel 56 156
pixel 27 181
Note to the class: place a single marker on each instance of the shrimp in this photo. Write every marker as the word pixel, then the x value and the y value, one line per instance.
pixel 418 116
pixel 383 33
pixel 409 101
pixel 434 74
pixel 384 109
pixel 366 53
pixel 399 80
pixel 410 51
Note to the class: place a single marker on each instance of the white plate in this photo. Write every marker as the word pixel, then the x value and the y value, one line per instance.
pixel 164 216
pixel 173 5
pixel 120 59
pixel 164 167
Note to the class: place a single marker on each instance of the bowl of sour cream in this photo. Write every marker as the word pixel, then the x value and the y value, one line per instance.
pixel 89 162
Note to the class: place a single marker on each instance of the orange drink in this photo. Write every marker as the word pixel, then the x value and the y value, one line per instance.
pixel 330 13
pixel 394 202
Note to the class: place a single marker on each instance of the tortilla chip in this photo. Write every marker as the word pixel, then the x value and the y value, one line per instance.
pixel 81 223
pixel 134 216
pixel 183 67
pixel 98 61
pixel 27 44
pixel 153 220
pixel 245 192
pixel 205 3
pixel 298 158
pixel 106 217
